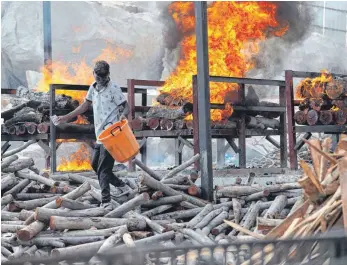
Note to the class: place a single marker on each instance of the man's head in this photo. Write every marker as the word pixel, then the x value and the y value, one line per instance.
pixel 101 73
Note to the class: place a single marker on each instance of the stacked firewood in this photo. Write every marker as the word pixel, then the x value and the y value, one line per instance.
pixel 32 115
pixel 172 113
pixel 324 102
pixel 59 215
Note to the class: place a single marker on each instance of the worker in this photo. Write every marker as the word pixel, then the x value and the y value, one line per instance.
pixel 109 106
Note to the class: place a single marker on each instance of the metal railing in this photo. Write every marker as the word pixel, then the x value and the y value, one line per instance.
pixel 327 251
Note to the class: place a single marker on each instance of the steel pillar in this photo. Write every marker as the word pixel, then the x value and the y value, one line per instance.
pixel 47 35
pixel 204 100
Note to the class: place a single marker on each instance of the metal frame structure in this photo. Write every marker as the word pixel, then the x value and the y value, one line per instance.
pixel 293 129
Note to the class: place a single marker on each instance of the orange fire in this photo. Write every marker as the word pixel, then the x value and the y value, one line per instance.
pixel 78 161
pixel 77 73
pixel 304 88
pixel 81 120
pixel 235 30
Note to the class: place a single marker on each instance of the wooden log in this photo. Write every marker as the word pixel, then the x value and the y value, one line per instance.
pixel 127 239
pixel 323 164
pixel 197 236
pixel 141 234
pixel 190 124
pixel 180 124
pixel 7 199
pixel 147 170
pixel 124 208
pixel 215 222
pixel 257 195
pixel 8 182
pixel 113 240
pixel 43 128
pixel 72 204
pixel 179 187
pixel 316 157
pixel 7 161
pixel 138 124
pixel 30 231
pixel 300 117
pixel 19 165
pixel 19 187
pixel 32 196
pixel 6 228
pixel 5 251
pixel 188 205
pixel 194 191
pixel 182 214
pixel 11 130
pixel 157 185
pixel 12 222
pixel 244 230
pixel 30 205
pixel 24 214
pixel 30 252
pixel 235 191
pixel 312 117
pixel 166 124
pixel 153 225
pixel 237 210
pixel 182 167
pixel 44 214
pixel 157 210
pixel 31 127
pixel 61 223
pixel 163 201
pixel 335 88
pixel 276 207
pixel 17 253
pixel 35 117
pixel 252 214
pixel 340 117
pixel 261 123
pixel 38 178
pixel 205 221
pixel 79 250
pixel 284 213
pixel 171 113
pixel 267 224
pixel 219 229
pixel 177 180
pixel 326 117
pixel 156 195
pixel 79 233
pixel 200 215
pixel 153 123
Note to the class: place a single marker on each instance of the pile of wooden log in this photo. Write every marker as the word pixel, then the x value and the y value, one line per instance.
pixel 59 214
pixel 32 115
pixel 324 103
pixel 172 113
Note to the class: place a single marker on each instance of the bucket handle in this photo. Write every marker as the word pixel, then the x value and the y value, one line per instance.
pixel 106 125
pixel 118 127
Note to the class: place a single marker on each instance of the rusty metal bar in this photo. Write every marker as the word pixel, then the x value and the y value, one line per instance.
pixel 283 129
pixel 293 159
pixel 242 130
pixel 155 83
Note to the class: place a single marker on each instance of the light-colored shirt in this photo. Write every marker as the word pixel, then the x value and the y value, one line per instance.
pixel 107 105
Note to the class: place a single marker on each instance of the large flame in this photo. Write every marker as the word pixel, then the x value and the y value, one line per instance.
pixel 305 86
pixel 77 73
pixel 235 30
pixel 78 161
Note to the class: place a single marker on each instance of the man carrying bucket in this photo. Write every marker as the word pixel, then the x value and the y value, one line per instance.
pixel 109 106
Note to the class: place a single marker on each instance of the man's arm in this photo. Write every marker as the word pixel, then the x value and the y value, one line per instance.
pixel 125 111
pixel 78 111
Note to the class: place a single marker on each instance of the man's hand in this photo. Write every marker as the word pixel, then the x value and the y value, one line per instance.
pixel 59 119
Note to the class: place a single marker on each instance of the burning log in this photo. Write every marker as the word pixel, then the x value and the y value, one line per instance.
pixel 319 104
pixel 326 117
pixel 171 113
pixel 19 165
pixel 335 88
pixel 312 117
pixel 318 90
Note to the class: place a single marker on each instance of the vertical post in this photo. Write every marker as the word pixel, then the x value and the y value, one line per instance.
pixel 52 131
pixel 131 115
pixel 293 159
pixel 196 122
pixel 47 36
pixel 242 129
pixel 204 99
pixel 283 129
pixel 220 152
pixel 178 152
pixel 144 153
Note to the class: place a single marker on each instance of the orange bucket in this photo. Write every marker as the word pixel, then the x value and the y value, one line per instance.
pixel 120 141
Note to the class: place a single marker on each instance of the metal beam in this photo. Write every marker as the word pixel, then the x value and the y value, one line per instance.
pixel 204 100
